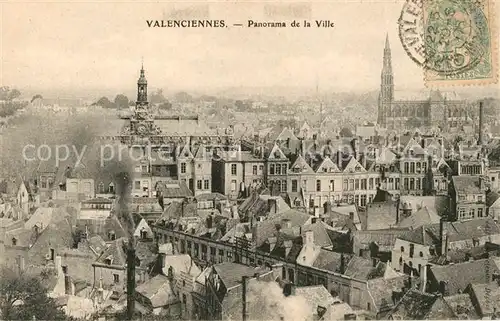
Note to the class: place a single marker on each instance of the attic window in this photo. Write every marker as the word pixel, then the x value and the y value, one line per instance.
pixel 14 241
pixel 111 188
pixel 276 154
pixel 108 260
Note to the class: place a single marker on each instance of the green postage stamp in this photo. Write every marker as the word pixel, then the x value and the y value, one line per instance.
pixel 455 41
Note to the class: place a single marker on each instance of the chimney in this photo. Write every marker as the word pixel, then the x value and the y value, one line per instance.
pixel 339 159
pixel 423 277
pixel 130 281
pixel 67 285
pixel 288 246
pixel 308 238
pixel 289 289
pixel 444 238
pixel 272 243
pixel 209 221
pixel 481 120
pixel 328 207
pixel 342 263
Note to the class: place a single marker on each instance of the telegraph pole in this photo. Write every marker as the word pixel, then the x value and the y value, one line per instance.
pixel 244 280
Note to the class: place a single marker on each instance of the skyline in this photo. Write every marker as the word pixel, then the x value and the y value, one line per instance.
pixel 91 46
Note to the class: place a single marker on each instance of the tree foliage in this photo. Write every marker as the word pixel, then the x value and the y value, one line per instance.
pixel 346 132
pixel 6 93
pixel 414 123
pixel 183 97
pixel 165 106
pixel 121 101
pixel 104 102
pixel 157 97
pixel 23 297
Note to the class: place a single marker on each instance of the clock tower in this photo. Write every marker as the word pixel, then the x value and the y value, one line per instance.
pixel 142 121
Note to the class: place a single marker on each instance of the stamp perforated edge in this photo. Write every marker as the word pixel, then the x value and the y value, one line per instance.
pixel 492 19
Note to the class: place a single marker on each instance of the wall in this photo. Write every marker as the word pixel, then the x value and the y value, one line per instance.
pixel 416 260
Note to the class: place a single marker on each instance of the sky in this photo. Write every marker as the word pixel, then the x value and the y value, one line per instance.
pixel 49 45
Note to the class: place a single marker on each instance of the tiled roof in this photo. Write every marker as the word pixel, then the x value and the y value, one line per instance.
pixel 320 233
pixel 363 269
pixel 424 235
pixel 381 291
pixel 158 290
pixel 115 252
pixel 459 275
pixel 267 228
pixel 467 184
pixel 424 216
pixel 385 239
pixel 416 305
pixel 329 260
pixel 177 210
pixel 439 205
pixel 462 306
pixel 174 189
pixel 491 198
pixel 232 273
pixel 315 295
pixel 467 230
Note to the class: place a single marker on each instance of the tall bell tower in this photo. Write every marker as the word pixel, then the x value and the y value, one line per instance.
pixel 386 95
pixel 142 91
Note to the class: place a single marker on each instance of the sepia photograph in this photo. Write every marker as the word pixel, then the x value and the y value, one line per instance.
pixel 249 160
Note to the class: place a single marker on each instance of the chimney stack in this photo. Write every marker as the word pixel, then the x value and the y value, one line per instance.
pixel 481 120
pixel 130 281
pixel 424 277
pixel 444 238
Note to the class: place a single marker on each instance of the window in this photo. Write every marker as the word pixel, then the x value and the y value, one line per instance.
pixel 111 188
pixel 363 183
pixel 206 184
pixel 402 249
pixel 137 185
pixel 412 249
pixel 199 184
pixel 284 168
pixel 283 186
pixel 396 183
pixel 332 185
pixel 318 185
pixel 116 278
pixel 184 299
pixel 145 186
pixel 412 167
pixel 412 184
pixel 283 273
pixel 14 241
pixel 421 254
pixel 406 184
pixel 363 200
pixel 480 198
pixel 183 168
pixel 254 169
pixel 356 184
pixel 479 212
pixel 419 185
pixel 370 183
pixel 406 168
pixel 351 184
pixel 101 188
pixel 233 169
pixel 278 169
pixel 271 169
pixel 233 185
pixel 294 185
pixel 346 185
pixel 261 168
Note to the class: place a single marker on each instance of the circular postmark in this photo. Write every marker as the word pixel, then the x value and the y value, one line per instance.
pixel 446 36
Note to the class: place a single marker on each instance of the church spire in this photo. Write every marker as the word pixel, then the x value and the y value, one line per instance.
pixel 387 56
pixel 142 86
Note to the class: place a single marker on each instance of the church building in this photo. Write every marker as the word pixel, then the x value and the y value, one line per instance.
pixel 433 109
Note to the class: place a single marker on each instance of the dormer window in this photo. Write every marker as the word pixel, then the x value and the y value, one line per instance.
pixel 14 241
pixel 108 261
pixel 111 188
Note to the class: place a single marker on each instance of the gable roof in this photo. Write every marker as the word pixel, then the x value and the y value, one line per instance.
pixel 327 166
pixel 276 153
pixel 419 218
pixel 416 305
pixel 467 184
pixel 354 166
pixel 158 290
pixel 301 166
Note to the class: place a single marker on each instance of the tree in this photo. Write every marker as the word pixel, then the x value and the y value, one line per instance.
pixel 165 106
pixel 23 297
pixel 346 132
pixel 183 97
pixel 104 102
pixel 157 97
pixel 121 101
